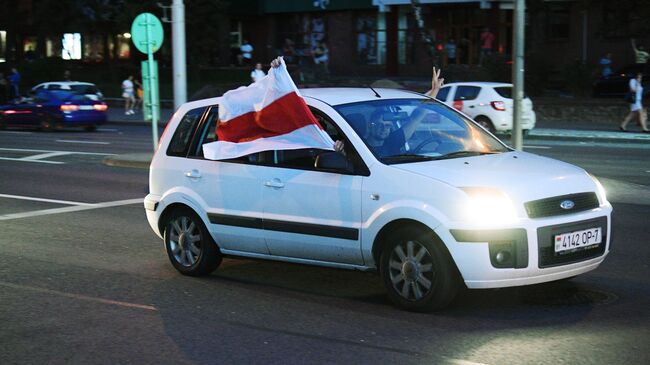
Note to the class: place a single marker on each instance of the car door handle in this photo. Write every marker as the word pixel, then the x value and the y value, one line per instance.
pixel 275 183
pixel 471 106
pixel 194 174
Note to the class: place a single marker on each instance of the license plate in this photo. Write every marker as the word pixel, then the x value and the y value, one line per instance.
pixel 578 239
pixel 86 107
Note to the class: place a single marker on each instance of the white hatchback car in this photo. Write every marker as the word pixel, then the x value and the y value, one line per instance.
pixel 488 103
pixel 440 205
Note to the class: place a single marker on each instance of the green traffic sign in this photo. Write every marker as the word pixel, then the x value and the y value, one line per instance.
pixel 147 29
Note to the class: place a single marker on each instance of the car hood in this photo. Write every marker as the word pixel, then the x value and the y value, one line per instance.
pixel 522 176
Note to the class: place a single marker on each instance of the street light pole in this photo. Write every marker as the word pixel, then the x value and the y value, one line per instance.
pixel 178 51
pixel 518 72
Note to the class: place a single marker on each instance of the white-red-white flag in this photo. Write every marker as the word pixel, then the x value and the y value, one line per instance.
pixel 267 115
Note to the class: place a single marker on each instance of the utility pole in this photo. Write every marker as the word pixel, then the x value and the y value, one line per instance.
pixel 518 72
pixel 178 51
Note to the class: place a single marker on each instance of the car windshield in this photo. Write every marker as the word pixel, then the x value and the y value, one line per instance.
pixel 412 130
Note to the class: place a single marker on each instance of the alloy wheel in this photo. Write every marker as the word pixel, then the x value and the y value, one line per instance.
pixel 411 270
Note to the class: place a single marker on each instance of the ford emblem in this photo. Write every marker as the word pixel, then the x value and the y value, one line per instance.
pixel 567 204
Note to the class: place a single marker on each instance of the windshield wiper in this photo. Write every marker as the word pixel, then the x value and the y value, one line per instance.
pixel 407 158
pixel 458 154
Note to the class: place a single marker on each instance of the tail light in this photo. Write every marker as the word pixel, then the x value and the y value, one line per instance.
pixel 69 108
pixel 100 107
pixel 498 105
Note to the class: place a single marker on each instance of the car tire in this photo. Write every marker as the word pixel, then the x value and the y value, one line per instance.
pixel 90 128
pixel 417 270
pixel 47 123
pixel 190 248
pixel 486 123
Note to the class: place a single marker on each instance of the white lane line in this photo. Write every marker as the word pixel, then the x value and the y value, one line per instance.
pixel 49 151
pixel 107 130
pixel 46 155
pixel 37 213
pixel 78 296
pixel 23 160
pixel 538 147
pixel 85 142
pixel 67 202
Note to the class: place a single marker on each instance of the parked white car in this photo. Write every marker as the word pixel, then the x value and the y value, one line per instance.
pixel 447 207
pixel 488 103
pixel 78 87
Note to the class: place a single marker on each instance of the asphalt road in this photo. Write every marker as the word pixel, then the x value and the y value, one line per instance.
pixel 84 280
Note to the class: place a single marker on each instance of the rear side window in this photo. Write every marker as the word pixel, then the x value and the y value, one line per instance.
pixel 467 92
pixel 180 142
pixel 443 93
pixel 506 92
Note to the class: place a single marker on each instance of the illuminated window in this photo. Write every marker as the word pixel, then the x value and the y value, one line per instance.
pixel 71 46
pixel 3 42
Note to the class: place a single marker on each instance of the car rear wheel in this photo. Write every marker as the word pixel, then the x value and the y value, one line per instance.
pixel 47 123
pixel 90 128
pixel 189 245
pixel 417 270
pixel 486 123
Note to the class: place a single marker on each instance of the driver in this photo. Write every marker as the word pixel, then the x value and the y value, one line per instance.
pixel 381 140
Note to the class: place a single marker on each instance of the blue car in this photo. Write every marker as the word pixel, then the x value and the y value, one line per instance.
pixel 50 109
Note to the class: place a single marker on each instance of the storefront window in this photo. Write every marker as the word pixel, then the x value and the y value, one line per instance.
pixel 94 48
pixel 123 47
pixel 371 39
pixel 3 45
pixel 71 46
pixel 299 35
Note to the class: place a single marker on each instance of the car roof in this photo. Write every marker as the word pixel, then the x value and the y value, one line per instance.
pixel 480 84
pixel 346 95
pixel 65 83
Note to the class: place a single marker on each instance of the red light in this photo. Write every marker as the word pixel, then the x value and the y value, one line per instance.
pixel 458 105
pixel 498 105
pixel 69 108
pixel 100 107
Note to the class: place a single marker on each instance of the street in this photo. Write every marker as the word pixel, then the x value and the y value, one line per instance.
pixel 83 279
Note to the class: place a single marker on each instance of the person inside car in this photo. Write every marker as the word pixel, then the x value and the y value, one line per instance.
pixel 381 139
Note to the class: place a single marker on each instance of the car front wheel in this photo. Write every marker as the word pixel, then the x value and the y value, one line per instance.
pixel 189 245
pixel 486 123
pixel 418 271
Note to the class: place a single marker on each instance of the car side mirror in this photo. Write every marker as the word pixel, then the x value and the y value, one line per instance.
pixel 333 161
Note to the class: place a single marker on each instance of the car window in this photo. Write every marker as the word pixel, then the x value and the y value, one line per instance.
pixel 54 87
pixel 180 142
pixel 42 96
pixel 467 92
pixel 443 93
pixel 208 134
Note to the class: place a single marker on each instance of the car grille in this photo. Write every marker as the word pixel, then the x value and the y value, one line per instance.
pixel 546 243
pixel 551 206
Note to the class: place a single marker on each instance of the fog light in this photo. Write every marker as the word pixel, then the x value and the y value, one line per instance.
pixel 502 256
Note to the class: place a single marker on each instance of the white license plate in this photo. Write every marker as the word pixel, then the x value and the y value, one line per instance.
pixel 577 239
pixel 86 107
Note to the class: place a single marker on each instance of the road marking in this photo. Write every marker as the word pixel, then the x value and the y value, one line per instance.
pixel 49 151
pixel 76 208
pixel 107 130
pixel 86 142
pixel 67 202
pixel 24 160
pixel 538 147
pixel 46 155
pixel 78 296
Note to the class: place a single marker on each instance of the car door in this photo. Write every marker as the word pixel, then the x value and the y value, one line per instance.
pixel 231 191
pixel 22 112
pixel 466 99
pixel 310 213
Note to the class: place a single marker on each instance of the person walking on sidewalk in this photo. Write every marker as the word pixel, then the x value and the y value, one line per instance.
pixel 128 93
pixel 636 108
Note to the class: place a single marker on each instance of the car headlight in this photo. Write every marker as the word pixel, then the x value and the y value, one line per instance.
pixel 600 189
pixel 489 206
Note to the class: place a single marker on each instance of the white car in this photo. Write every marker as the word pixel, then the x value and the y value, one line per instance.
pixel 78 87
pixel 447 207
pixel 488 103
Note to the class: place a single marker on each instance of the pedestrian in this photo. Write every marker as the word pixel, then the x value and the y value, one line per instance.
pixel 4 89
pixel 606 63
pixel 67 76
pixel 450 49
pixel 128 93
pixel 487 38
pixel 640 55
pixel 246 52
pixel 321 55
pixel 139 95
pixel 14 83
pixel 634 97
pixel 257 74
